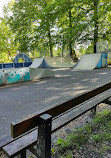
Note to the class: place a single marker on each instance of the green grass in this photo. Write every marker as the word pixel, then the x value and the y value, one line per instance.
pixel 99 131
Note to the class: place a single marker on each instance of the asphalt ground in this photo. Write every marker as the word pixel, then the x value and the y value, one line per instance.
pixel 21 100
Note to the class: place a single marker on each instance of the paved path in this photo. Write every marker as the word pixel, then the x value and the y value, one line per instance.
pixel 19 101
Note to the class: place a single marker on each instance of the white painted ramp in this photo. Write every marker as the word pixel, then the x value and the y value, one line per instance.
pixel 36 63
pixel 88 62
pixel 39 63
pixel 60 61
pixel 40 69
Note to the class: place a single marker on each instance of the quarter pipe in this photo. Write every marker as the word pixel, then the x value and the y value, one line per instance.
pixel 91 61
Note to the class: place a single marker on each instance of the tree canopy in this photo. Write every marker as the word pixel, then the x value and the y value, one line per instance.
pixel 43 25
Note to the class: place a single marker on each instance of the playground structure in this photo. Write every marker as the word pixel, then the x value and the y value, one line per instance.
pixel 16 63
pixel 15 72
pixel 91 61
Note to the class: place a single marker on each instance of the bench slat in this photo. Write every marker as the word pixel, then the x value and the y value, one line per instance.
pixel 21 127
pixel 5 140
pixel 79 110
pixel 14 148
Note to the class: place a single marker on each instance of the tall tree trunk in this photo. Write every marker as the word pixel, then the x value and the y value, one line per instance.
pixel 50 44
pixel 62 52
pixel 70 35
pixel 95 25
pixel 9 55
pixel 63 46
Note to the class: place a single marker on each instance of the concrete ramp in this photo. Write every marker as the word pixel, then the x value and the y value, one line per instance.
pixel 103 60
pixel 38 73
pixel 40 69
pixel 39 63
pixel 60 61
pixel 88 62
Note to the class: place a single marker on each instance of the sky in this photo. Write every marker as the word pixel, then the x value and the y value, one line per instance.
pixel 2 3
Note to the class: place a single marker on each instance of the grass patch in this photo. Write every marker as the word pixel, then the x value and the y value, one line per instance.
pixel 95 134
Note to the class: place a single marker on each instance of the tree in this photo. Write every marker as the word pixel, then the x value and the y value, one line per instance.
pixel 7 45
pixel 40 25
pixel 30 22
pixel 68 14
pixel 96 27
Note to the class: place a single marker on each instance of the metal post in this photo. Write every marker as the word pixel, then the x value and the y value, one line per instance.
pixel 44 136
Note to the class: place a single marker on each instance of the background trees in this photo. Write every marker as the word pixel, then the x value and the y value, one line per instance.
pixel 97 25
pixel 52 26
pixel 7 45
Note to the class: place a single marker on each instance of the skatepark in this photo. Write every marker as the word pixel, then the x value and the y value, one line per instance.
pixel 42 67
pixel 21 100
pixel 48 85
pixel 47 88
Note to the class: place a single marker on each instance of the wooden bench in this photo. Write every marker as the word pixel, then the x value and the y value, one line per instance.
pixel 34 133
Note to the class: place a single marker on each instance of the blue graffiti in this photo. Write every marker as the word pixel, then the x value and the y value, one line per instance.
pixel 26 77
pixel 14 79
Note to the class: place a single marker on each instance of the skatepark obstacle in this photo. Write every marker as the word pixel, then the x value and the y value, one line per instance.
pixel 91 61
pixel 40 69
pixel 57 62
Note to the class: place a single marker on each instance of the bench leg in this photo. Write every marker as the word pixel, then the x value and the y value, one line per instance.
pixel 44 136
pixel 93 111
pixel 22 155
pixel 108 101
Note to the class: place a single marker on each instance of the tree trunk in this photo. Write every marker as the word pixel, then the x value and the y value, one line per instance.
pixel 9 55
pixel 95 25
pixel 70 35
pixel 62 52
pixel 50 44
pixel 63 46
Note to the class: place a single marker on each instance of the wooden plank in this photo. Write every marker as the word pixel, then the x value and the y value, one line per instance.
pixel 79 110
pixel 29 140
pixel 20 127
pixel 5 140
pixel 17 146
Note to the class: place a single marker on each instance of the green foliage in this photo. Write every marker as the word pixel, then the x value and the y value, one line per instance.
pixel 102 117
pixel 67 155
pixel 99 131
pixel 105 148
pixel 32 24
pixel 101 137
pixel 62 142
pixel 41 26
pixel 32 156
pixel 7 45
